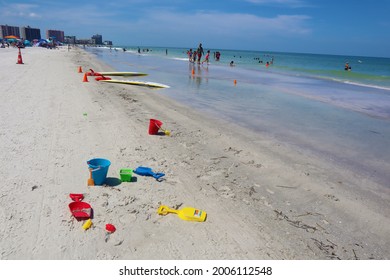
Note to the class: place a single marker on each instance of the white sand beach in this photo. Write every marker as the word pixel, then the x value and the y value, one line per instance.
pixel 264 200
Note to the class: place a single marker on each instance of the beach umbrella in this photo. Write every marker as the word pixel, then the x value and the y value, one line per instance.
pixel 11 37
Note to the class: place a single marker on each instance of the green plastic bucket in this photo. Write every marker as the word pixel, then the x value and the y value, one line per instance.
pixel 126 175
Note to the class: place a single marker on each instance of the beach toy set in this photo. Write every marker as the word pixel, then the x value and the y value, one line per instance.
pixel 98 169
pixel 81 210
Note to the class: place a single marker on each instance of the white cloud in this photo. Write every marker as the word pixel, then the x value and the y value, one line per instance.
pixel 34 15
pixel 19 10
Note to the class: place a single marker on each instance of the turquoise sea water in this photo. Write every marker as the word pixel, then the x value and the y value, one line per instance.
pixel 304 100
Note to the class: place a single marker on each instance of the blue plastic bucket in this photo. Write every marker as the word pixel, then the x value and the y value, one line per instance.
pixel 99 168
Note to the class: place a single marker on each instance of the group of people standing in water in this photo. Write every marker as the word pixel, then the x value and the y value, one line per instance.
pixel 196 55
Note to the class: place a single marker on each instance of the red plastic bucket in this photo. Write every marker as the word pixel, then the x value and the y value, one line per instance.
pixel 154 126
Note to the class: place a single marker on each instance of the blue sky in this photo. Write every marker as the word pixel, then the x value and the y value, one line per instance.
pixel 346 27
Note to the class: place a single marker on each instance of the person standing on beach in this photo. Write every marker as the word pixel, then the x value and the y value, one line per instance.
pixel 194 55
pixel 207 58
pixel 189 53
pixel 217 56
pixel 200 52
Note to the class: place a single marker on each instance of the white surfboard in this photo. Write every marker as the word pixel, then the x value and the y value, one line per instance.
pixel 136 83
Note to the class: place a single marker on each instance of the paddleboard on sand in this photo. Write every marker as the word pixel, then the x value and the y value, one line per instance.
pixel 136 83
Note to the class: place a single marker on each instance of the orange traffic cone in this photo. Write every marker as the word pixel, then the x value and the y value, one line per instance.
pixel 80 70
pixel 85 79
pixel 20 60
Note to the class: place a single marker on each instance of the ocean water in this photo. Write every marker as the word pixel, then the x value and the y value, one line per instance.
pixel 304 100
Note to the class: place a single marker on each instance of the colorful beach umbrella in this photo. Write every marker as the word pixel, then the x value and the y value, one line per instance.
pixel 11 37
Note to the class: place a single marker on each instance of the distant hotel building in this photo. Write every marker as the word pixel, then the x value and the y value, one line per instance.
pixel 30 34
pixel 70 39
pixel 85 41
pixel 56 34
pixel 6 30
pixel 95 40
pixel 98 39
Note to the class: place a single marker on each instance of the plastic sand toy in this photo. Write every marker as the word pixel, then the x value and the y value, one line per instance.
pixel 87 224
pixel 146 171
pixel 126 174
pixel 110 229
pixel 76 196
pixel 90 181
pixel 187 213
pixel 80 210
pixel 155 127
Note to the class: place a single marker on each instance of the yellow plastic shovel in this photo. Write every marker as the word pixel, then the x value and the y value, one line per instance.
pixel 187 213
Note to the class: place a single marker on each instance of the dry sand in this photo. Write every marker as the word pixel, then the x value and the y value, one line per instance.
pixel 264 199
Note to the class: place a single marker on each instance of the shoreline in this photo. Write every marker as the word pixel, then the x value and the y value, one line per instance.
pixel 263 199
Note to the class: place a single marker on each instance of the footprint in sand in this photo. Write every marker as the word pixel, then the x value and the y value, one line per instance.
pixel 332 197
pixel 226 192
pixel 104 255
pixel 233 150
pixel 254 164
pixel 128 218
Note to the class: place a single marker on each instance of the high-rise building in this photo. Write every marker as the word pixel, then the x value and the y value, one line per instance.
pixel 56 34
pixel 70 39
pixel 98 39
pixel 85 41
pixel 6 30
pixel 29 33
